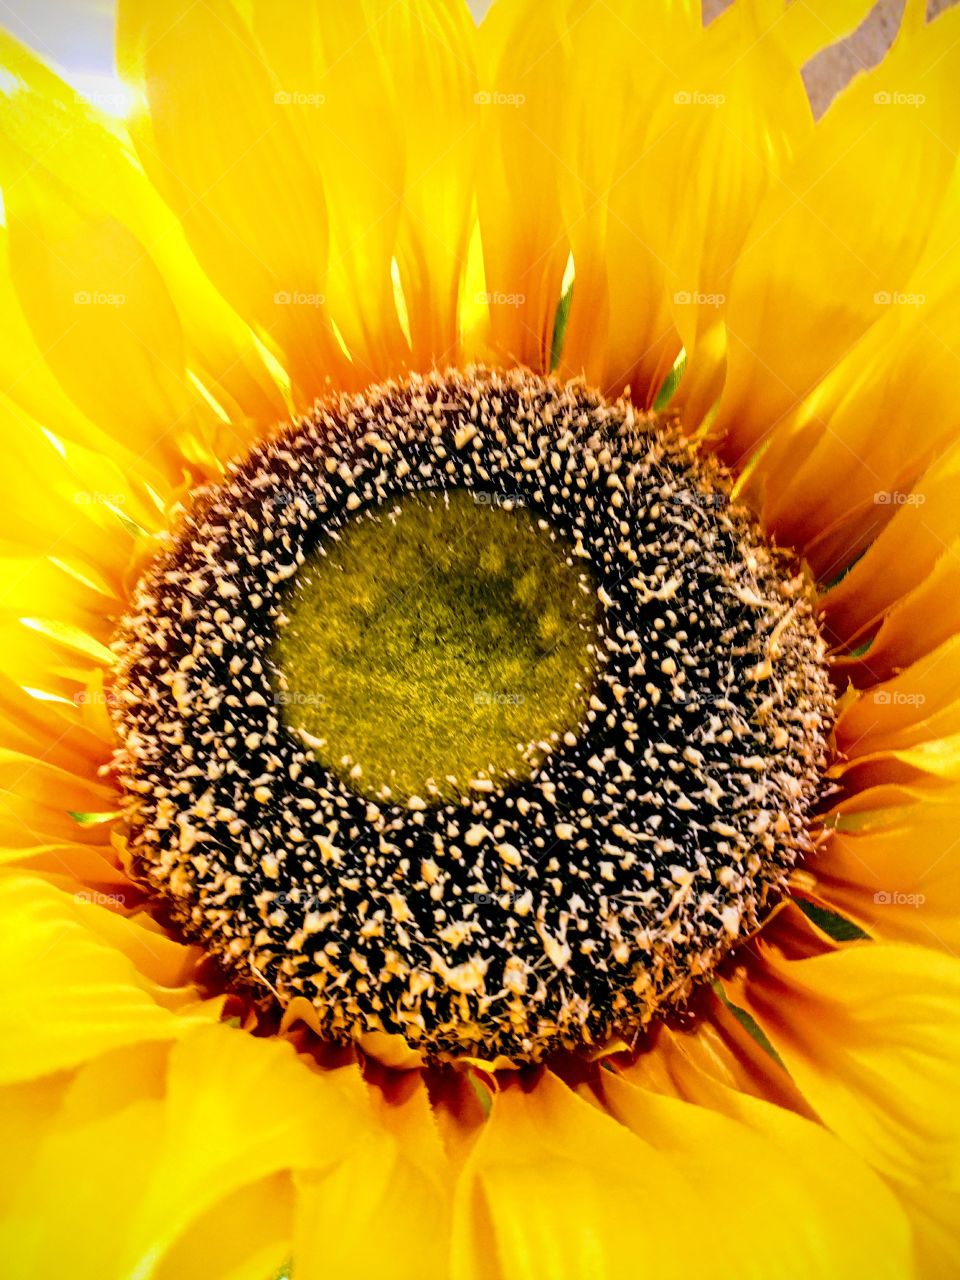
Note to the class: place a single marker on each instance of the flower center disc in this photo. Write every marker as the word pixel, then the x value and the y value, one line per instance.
pixel 439 640
pixel 472 710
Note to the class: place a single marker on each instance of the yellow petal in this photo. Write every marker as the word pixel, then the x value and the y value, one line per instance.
pixel 925 521
pixel 25 581
pixel 620 331
pixel 728 118
pixel 857 448
pixel 57 726
pixel 101 314
pixel 323 58
pixel 56 1225
pixel 94 510
pixel 525 57
pixel 429 60
pixel 406 1181
pixel 934 1215
pixel 77 868
pixel 26 376
pixel 225 1128
pixel 42 667
pixel 247 1236
pixel 68 994
pixel 848 221
pixel 38 801
pixel 919 622
pixel 762 1172
pixel 918 705
pixel 870 1034
pixel 26 1109
pixel 716 1048
pixel 43 117
pixel 554 1189
pixel 196 1159
pixel 220 147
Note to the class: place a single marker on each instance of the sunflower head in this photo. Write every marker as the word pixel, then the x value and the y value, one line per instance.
pixel 473 711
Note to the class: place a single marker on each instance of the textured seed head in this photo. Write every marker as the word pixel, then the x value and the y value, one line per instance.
pixel 516 912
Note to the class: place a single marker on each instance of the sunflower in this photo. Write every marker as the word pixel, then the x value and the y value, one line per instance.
pixel 482 647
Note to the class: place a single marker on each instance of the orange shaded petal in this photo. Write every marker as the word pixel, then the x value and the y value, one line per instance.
pixel 719 1049
pixel 900 881
pixel 870 1034
pixel 920 704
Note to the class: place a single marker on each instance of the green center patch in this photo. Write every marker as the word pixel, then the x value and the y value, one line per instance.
pixel 440 640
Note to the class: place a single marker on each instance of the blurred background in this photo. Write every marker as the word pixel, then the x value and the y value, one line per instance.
pixel 78 36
